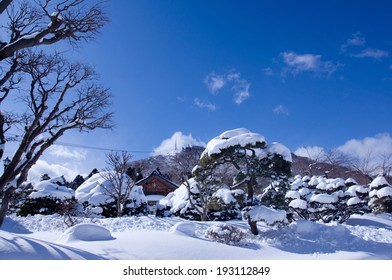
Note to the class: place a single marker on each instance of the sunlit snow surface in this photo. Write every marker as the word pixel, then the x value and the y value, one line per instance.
pixel 148 237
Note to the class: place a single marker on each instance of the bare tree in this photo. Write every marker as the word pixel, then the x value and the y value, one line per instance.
pixel 61 96
pixel 29 24
pixel 386 164
pixel 366 165
pixel 121 184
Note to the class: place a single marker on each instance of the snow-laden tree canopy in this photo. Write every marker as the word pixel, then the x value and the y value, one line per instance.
pixel 249 154
pixel 243 137
pixel 52 188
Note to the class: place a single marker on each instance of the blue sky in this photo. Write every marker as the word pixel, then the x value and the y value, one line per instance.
pixel 303 73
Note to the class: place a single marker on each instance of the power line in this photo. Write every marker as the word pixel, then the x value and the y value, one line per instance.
pixel 98 148
pixel 14 138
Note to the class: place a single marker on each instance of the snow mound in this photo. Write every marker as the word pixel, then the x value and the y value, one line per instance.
pixel 184 229
pixel 85 232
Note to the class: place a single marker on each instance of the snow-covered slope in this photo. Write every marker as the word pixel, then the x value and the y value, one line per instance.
pixel 148 237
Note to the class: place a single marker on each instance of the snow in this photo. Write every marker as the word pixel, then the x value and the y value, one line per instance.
pixel 353 201
pixel 178 199
pixel 85 232
pixel 298 204
pixel 304 191
pixel 350 181
pixel 378 182
pixel 239 136
pixel 292 194
pixel 266 214
pixel 226 196
pixel 296 184
pixel 93 190
pixel 277 148
pixel 96 191
pixel 384 192
pixel 50 188
pixel 313 181
pixel 152 238
pixel 324 198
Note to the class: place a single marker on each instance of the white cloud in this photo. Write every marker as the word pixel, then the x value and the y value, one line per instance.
pixel 215 82
pixel 241 91
pixel 372 53
pixel 175 143
pixel 268 71
pixel 312 152
pixel 381 144
pixel 356 40
pixel 205 104
pixel 368 153
pixel 239 86
pixel 53 170
pixel 280 110
pixel 299 63
pixel 64 152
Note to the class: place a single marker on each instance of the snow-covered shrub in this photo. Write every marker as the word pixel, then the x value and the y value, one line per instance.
pixel 326 200
pixel 225 233
pixel 267 215
pixel 49 197
pixel 380 196
pixel 96 196
pixel 181 203
pixel 186 202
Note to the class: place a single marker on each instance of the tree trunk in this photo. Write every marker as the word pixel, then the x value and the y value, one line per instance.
pixel 2 136
pixel 253 227
pixel 249 199
pixel 5 203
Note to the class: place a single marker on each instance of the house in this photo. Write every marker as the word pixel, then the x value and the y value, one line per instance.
pixel 155 187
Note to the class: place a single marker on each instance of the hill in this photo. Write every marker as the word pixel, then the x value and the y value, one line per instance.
pixel 174 165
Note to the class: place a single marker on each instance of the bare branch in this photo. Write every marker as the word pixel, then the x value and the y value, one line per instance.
pixel 4 4
pixel 73 20
pixel 62 97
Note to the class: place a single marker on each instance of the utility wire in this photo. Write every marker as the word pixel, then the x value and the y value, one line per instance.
pixel 14 138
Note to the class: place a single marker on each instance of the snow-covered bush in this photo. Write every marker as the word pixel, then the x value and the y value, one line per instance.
pixel 225 233
pixel 267 215
pixel 182 203
pixel 380 196
pixel 49 197
pixel 97 200
pixel 186 202
pixel 326 200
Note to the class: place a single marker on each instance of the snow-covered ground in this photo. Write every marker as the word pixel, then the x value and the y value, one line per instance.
pixel 151 238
